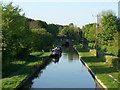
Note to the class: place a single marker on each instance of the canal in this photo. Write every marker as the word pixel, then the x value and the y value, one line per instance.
pixel 68 72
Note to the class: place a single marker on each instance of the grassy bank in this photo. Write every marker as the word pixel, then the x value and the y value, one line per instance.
pixel 19 70
pixel 106 72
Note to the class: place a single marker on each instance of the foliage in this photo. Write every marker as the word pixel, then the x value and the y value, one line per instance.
pixel 91 45
pixel 108 37
pixel 53 29
pixel 42 24
pixel 118 37
pixel 71 32
pixel 36 23
pixel 22 35
pixel 13 30
pixel 90 32
pixel 41 39
pixel 81 48
pixel 109 24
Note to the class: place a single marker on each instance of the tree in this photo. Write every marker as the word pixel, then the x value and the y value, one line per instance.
pixel 13 27
pixel 36 23
pixel 118 37
pixel 53 29
pixel 70 32
pixel 41 39
pixel 109 25
pixel 42 24
pixel 108 37
pixel 89 31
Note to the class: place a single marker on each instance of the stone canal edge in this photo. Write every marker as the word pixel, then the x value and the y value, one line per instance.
pixel 27 79
pixel 98 82
pixel 31 76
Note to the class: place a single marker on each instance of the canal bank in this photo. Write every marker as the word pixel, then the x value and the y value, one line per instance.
pixel 32 75
pixel 101 70
pixel 98 82
pixel 31 65
pixel 68 72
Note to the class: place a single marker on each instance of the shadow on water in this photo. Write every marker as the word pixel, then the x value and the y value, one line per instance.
pixel 71 52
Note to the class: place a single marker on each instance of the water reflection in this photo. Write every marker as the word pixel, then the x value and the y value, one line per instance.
pixel 55 60
pixel 68 73
pixel 71 53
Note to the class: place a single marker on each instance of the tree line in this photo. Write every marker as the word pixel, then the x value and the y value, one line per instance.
pixel 22 35
pixel 108 33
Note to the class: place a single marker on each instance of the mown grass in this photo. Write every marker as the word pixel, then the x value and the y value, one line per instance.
pixel 24 69
pixel 101 68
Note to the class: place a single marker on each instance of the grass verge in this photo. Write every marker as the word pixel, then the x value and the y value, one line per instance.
pixel 19 70
pixel 108 74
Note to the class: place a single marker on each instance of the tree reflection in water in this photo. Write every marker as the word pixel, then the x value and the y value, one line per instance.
pixel 72 53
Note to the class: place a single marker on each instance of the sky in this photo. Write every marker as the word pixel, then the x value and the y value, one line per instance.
pixel 64 12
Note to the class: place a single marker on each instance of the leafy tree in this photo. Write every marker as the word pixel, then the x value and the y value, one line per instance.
pixel 109 25
pixel 41 39
pixel 90 32
pixel 70 32
pixel 53 29
pixel 32 24
pixel 42 24
pixel 36 23
pixel 13 27
pixel 108 37
pixel 118 37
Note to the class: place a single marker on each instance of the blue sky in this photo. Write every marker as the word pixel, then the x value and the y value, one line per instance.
pixel 65 12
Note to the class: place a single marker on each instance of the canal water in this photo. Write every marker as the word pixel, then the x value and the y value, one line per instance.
pixel 68 72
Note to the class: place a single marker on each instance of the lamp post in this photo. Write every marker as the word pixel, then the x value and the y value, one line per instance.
pixel 118 63
pixel 97 27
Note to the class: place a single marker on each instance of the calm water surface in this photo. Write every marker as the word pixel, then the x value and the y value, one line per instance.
pixel 68 72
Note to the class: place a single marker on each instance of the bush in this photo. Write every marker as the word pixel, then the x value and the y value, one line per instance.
pixel 22 53
pixel 93 51
pixel 109 60
pixel 118 53
pixel 103 48
pixel 116 63
pixel 81 48
pixel 91 45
